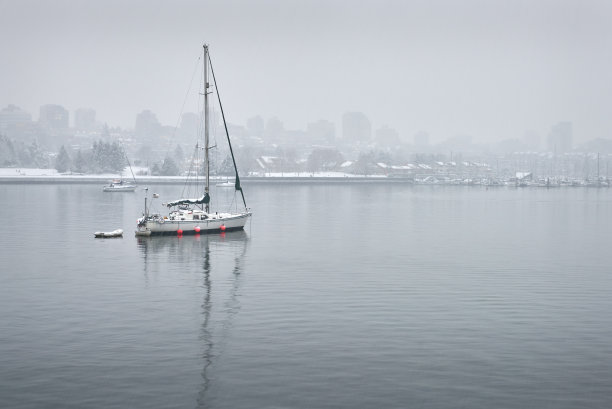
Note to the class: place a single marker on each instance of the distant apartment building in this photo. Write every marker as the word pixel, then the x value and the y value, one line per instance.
pixel 53 117
pixel 85 119
pixel 147 126
pixel 560 138
pixel 14 121
pixel 356 127
pixel 321 131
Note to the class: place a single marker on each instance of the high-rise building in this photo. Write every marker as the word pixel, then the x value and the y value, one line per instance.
pixel 53 117
pixel 85 119
pixel 356 127
pixel 560 138
pixel 14 121
pixel 147 126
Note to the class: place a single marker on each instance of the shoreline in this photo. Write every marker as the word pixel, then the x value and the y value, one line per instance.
pixel 306 179
pixel 171 180
pixel 51 176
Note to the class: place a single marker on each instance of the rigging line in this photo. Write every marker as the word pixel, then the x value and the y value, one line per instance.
pixel 237 186
pixel 197 164
pixel 229 208
pixel 191 165
pixel 128 160
pixel 130 165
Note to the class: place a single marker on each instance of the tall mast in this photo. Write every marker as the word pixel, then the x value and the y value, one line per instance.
pixel 207 188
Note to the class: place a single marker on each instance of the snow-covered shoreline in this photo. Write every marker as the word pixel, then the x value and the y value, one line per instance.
pixel 26 175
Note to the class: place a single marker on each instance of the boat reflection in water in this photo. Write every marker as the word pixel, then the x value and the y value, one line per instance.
pixel 220 259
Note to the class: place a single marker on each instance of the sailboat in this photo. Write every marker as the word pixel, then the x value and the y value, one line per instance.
pixel 227 183
pixel 193 215
pixel 120 185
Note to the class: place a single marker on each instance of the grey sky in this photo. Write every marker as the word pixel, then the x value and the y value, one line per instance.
pixel 490 69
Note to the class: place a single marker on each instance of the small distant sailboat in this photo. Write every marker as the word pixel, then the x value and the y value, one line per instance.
pixel 227 183
pixel 192 216
pixel 119 185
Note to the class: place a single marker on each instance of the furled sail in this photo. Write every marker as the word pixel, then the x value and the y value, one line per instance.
pixel 203 200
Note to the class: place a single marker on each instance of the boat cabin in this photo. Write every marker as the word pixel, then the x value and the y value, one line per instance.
pixel 194 214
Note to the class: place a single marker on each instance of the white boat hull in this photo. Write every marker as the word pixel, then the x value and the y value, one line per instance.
pixel 211 225
pixel 108 234
pixel 128 188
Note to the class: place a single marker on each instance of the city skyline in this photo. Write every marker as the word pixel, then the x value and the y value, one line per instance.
pixel 355 128
pixel 492 71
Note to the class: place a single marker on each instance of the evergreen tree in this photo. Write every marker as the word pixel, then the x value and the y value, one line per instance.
pixel 17 153
pixel 95 158
pixel 179 156
pixel 105 131
pixel 117 157
pixel 79 163
pixel 37 157
pixel 169 167
pixel 144 156
pixel 108 157
pixel 8 157
pixel 246 157
pixel 227 167
pixel 324 159
pixel 62 162
pixel 365 163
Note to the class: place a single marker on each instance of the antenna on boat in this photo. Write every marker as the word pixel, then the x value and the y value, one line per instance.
pixel 146 210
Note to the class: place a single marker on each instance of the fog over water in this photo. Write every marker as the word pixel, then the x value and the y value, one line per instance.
pixel 467 269
pixel 489 69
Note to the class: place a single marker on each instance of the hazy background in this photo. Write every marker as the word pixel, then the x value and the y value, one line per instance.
pixel 490 69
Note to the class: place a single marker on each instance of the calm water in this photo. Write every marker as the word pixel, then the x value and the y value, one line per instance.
pixel 336 296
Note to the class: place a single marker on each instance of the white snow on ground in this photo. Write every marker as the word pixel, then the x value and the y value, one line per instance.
pixel 26 172
pixel 21 172
pixel 33 172
pixel 6 172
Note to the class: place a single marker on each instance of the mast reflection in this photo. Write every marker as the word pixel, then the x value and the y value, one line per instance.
pixel 219 257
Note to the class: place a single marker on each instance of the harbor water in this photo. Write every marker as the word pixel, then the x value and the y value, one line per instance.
pixel 344 295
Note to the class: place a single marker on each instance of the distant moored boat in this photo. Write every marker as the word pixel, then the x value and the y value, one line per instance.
pixel 118 185
pixel 108 234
